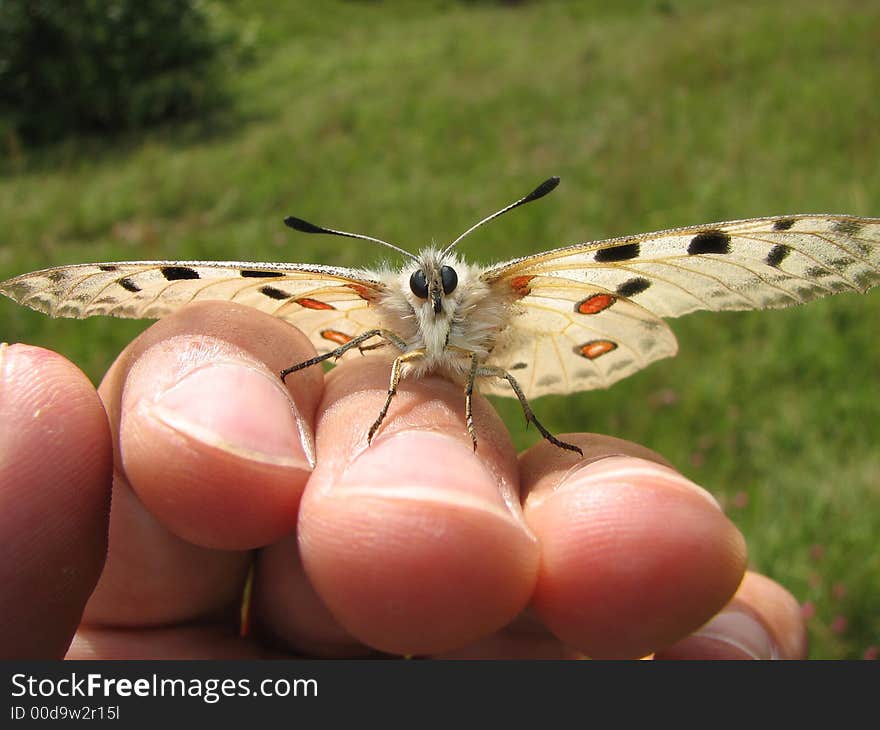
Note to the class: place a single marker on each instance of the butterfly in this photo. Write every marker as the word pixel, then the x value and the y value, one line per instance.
pixel 566 320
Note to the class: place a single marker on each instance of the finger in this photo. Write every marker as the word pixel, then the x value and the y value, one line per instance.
pixel 524 638
pixel 55 468
pixel 634 556
pixel 763 621
pixel 415 543
pixel 212 457
pixel 290 613
pixel 184 642
pixel 210 439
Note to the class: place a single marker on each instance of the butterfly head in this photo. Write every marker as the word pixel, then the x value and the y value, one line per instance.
pixel 442 305
pixel 433 281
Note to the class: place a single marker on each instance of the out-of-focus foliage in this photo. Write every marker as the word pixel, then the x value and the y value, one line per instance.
pixel 108 65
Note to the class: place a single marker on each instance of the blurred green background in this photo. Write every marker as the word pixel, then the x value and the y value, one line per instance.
pixel 411 120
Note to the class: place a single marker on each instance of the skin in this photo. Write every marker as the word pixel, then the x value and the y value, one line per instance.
pixel 414 545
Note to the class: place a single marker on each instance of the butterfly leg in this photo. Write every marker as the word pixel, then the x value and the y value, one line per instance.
pixel 468 399
pixel 527 409
pixel 389 337
pixel 396 367
pixel 340 351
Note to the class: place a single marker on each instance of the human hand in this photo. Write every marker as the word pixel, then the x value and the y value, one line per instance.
pixel 414 545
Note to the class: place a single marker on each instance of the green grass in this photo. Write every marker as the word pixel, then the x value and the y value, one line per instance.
pixel 410 121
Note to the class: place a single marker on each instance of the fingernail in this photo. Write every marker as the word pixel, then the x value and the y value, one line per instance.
pixel 628 470
pixel 737 631
pixel 425 465
pixel 237 409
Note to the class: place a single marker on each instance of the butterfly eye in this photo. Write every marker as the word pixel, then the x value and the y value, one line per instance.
pixel 449 279
pixel 418 282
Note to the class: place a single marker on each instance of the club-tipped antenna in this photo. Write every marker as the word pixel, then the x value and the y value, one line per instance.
pixel 539 192
pixel 298 224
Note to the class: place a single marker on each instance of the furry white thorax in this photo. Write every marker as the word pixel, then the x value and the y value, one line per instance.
pixel 469 321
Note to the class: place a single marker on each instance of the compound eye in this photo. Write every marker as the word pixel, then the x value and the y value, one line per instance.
pixel 449 279
pixel 418 282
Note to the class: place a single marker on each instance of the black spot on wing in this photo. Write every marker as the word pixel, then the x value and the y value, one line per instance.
pixel 777 255
pixel 618 253
pixel 848 228
pixel 274 293
pixel 817 272
pixel 175 273
pixel 259 273
pixel 57 276
pixel 783 224
pixel 631 287
pixel 129 285
pixel 108 267
pixel 713 241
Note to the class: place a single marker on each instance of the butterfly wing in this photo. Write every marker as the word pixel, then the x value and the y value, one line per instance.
pixel 329 304
pixel 565 336
pixel 748 264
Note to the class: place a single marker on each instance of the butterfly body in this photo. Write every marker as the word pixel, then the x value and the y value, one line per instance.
pixel 565 320
pixel 446 326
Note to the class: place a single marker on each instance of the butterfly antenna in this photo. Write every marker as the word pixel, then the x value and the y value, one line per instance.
pixel 539 192
pixel 298 224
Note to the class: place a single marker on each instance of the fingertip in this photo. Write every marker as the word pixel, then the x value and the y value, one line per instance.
pixel 780 612
pixel 212 441
pixel 236 449
pixel 763 621
pixel 634 556
pixel 543 465
pixel 55 475
pixel 415 543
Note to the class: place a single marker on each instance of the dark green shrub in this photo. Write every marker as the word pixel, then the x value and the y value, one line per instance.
pixel 106 65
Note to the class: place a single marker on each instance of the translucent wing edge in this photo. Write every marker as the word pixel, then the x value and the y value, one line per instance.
pixel 21 288
pixel 499 271
pixel 359 276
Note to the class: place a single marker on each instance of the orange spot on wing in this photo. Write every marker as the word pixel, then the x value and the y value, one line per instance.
pixel 340 338
pixel 595 348
pixel 520 285
pixel 362 291
pixel 595 303
pixel 310 303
